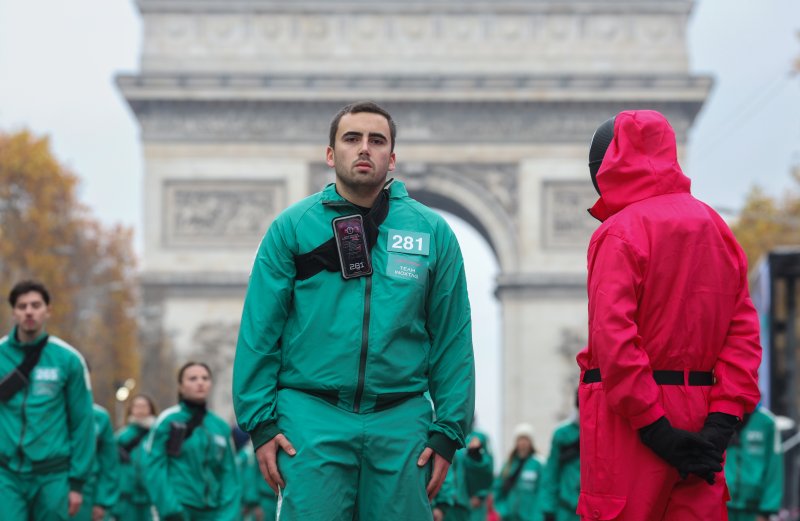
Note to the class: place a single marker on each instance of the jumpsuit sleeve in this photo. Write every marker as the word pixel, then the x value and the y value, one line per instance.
pixel 451 376
pixel 772 495
pixel 736 371
pixel 550 478
pixel 231 499
pixel 108 459
pixel 616 272
pixel 156 478
pixel 258 350
pixel 80 417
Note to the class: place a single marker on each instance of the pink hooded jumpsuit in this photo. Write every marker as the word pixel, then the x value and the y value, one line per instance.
pixel 667 291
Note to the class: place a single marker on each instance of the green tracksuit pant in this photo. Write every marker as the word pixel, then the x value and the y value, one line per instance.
pixel 352 466
pixel 35 497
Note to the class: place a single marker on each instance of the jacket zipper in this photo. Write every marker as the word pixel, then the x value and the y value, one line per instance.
pixel 362 363
pixel 20 450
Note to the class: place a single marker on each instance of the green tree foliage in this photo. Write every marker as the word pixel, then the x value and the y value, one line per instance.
pixel 766 223
pixel 48 235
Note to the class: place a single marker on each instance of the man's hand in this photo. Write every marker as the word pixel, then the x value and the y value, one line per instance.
pixel 475 501
pixel 438 515
pixel 267 456
pixel 75 500
pixel 98 513
pixel 440 467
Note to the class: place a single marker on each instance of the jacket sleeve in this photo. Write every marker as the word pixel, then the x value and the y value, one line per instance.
pixel 80 417
pixel 258 351
pixel 772 495
pixel 156 478
pixel 616 272
pixel 451 376
pixel 107 491
pixel 736 371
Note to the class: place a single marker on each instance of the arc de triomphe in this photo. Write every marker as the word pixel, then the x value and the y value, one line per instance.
pixel 495 102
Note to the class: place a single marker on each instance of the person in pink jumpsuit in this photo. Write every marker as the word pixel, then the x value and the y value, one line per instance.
pixel 672 359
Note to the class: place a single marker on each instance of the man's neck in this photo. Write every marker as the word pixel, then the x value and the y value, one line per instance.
pixel 359 198
pixel 25 338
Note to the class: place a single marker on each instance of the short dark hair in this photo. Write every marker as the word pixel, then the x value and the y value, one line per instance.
pixel 189 364
pixel 357 107
pixel 26 286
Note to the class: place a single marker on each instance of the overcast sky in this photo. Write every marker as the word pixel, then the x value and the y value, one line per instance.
pixel 58 60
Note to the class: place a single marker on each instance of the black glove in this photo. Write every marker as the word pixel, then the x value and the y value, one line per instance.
pixel 549 516
pixel 719 428
pixel 687 451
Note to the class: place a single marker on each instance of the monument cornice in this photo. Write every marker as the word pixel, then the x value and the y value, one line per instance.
pixel 415 6
pixel 499 87
pixel 541 285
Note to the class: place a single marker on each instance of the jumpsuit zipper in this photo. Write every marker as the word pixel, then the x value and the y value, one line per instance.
pixel 362 363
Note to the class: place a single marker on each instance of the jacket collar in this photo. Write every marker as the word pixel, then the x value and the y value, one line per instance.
pixel 330 197
pixel 14 342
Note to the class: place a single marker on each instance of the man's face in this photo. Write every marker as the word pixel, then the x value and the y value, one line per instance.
pixel 362 153
pixel 30 313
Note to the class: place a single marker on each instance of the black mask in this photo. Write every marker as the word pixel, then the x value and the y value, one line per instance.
pixel 597 150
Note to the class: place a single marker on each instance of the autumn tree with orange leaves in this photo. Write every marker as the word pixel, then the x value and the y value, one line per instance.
pixel 48 235
pixel 766 222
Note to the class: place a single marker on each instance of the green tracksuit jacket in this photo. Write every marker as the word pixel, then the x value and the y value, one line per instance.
pixel 561 480
pixel 468 477
pixel 132 490
pixel 105 470
pixel 754 466
pixel 364 342
pixel 521 502
pixel 202 477
pixel 48 426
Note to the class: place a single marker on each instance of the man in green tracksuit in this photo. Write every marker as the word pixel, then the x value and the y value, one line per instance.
pixel 754 469
pixel 468 483
pixel 102 489
pixel 561 480
pixel 346 323
pixel 46 428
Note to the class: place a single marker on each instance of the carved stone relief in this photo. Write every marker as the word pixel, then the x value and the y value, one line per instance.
pixel 567 224
pixel 220 213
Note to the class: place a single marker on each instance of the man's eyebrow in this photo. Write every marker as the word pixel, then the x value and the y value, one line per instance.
pixel 377 134
pixel 350 133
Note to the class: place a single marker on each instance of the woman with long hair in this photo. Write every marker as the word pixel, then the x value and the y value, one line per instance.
pixel 516 489
pixel 190 469
pixel 134 503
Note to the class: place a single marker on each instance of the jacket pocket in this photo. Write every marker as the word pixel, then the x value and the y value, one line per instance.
pixel 600 507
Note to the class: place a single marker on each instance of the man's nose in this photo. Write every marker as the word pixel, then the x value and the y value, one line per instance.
pixel 364 146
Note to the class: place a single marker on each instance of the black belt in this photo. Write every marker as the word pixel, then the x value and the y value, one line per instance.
pixel 696 378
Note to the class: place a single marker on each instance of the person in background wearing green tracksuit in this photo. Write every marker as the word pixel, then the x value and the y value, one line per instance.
pixel 357 305
pixel 259 502
pixel 468 483
pixel 46 429
pixel 134 502
pixel 190 472
pixel 102 488
pixel 516 489
pixel 561 480
pixel 754 469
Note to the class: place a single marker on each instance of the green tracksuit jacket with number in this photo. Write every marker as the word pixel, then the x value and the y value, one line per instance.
pixel 48 426
pixel 203 477
pixel 360 343
pixel 754 467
